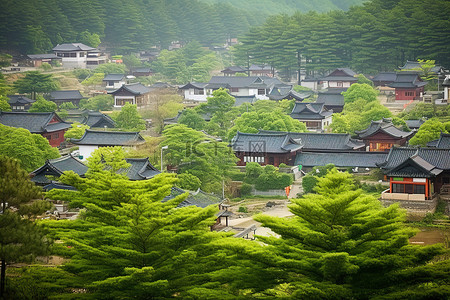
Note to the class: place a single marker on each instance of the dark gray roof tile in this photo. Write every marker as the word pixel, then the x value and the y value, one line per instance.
pixel 73 47
pixel 109 138
pixel 384 125
pixel 344 159
pixel 34 122
pixel 66 95
pixel 264 143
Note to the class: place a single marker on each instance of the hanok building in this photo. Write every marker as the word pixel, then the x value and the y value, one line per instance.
pixel 414 124
pixel 142 71
pixel 408 86
pixel 94 119
pixel 384 78
pixel 357 160
pixel 60 97
pixel 314 115
pixel 442 143
pixel 194 91
pixel 261 70
pixel 92 140
pixel 286 92
pixel 231 71
pixel 265 149
pixel 38 59
pixel 339 78
pixel 382 135
pixel 332 99
pixel 114 81
pixel 416 176
pixel 54 168
pixel 415 66
pixel 79 56
pixel 135 93
pixel 20 102
pixel 47 124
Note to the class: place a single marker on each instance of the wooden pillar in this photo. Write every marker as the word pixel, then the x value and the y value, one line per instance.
pixel 427 184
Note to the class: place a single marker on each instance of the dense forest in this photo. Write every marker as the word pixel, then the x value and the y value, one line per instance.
pixel 380 35
pixel 270 7
pixel 34 26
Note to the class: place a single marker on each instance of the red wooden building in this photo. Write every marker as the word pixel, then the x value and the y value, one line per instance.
pixel 382 135
pixel 408 86
pixel 47 124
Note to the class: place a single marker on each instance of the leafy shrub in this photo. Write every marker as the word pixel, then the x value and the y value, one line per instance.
pixel 46 66
pixel 271 179
pixel 67 105
pixel 252 171
pixel 243 209
pixel 283 165
pixel 308 183
pixel 246 189
pixel 188 181
pixel 237 176
pixel 81 73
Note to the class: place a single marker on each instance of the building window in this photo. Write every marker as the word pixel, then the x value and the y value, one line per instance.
pixel 234 90
pixel 340 84
pixel 408 188
pixel 81 54
pixel 419 189
pixel 56 136
pixel 261 91
pixel 410 94
pixel 199 92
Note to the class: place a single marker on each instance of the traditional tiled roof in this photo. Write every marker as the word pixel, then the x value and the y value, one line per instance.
pixel 287 93
pixel 34 122
pixel 142 70
pixel 443 142
pixel 66 95
pixel 140 169
pixel 385 125
pixel 109 138
pixel 245 82
pixel 97 119
pixel 233 69
pixel 341 74
pixel 385 77
pixel 55 167
pixel 161 85
pixel 331 97
pixel 440 158
pixel 19 99
pixel 340 159
pixel 197 198
pixel 239 100
pixel 414 124
pixel 264 143
pixel 73 47
pixel 59 186
pixel 407 80
pixel 414 166
pixel 310 111
pixel 411 65
pixel 134 88
pixel 322 141
pixel 254 67
pixel 113 77
pixel 193 85
pixel 43 56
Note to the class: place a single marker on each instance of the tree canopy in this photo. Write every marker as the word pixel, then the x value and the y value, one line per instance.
pixel 31 150
pixel 35 82
pixel 428 131
pixel 129 118
pixel 42 105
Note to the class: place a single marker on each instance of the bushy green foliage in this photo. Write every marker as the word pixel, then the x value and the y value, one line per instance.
pixel 46 66
pixel 31 150
pixel 76 132
pixel 67 105
pixel 310 180
pixel 4 105
pixel 94 79
pixel 246 189
pixel 192 119
pixel 252 171
pixel 97 103
pixel 430 130
pixel 188 182
pixel 35 82
pixel 89 39
pixel 42 105
pixel 81 73
pixel 110 68
pixel 242 209
pixel 272 179
pixel 364 80
pixel 129 118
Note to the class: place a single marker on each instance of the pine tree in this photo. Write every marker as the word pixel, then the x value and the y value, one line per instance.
pixel 20 238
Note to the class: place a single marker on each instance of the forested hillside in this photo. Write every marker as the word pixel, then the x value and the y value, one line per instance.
pixel 379 35
pixel 34 26
pixel 270 7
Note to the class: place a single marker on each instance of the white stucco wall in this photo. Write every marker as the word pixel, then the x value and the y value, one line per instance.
pixel 86 150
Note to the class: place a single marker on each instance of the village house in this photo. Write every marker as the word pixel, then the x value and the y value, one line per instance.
pixel 79 56
pixel 311 83
pixel 114 81
pixel 142 71
pixel 134 93
pixel 314 115
pixel 252 70
pixel 384 78
pixel 20 102
pixel 417 177
pixel 47 124
pixel 265 148
pixel 194 91
pixel 286 92
pixel 382 135
pixel 442 143
pixel 357 160
pixel 60 97
pixel 414 124
pixel 92 140
pixel 339 78
pixel 38 59
pixel 332 99
pixel 94 119
pixel 408 86
pixel 414 66
pixel 232 70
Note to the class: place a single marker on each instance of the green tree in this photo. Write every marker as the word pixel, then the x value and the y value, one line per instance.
pixel 195 153
pixel 192 119
pixel 430 130
pixel 188 182
pixel 67 105
pixel 42 105
pixel 76 132
pixel 35 82
pixel 97 103
pixel 5 60
pixel 94 79
pixel 129 118
pixel 111 68
pixel 129 243
pixel 360 91
pixel 364 80
pixel 31 150
pixel 342 244
pixel 131 61
pixel 89 39
pixel 4 105
pixel 272 179
pixel 20 238
pixel 220 107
